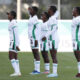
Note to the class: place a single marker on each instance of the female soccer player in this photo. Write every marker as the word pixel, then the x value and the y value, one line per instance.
pixel 14 43
pixel 53 38
pixel 44 43
pixel 32 26
pixel 76 35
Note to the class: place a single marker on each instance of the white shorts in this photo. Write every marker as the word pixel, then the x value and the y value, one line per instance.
pixel 76 45
pixel 53 44
pixel 32 42
pixel 12 47
pixel 44 46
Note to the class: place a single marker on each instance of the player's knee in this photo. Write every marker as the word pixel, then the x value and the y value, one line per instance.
pixel 35 51
pixel 76 52
pixel 78 60
pixel 54 60
pixel 47 60
pixel 10 57
pixel 36 56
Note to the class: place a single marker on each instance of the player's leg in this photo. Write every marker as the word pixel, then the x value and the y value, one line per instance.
pixel 35 52
pixel 12 59
pixel 46 61
pixel 14 64
pixel 36 61
pixel 16 56
pixel 44 51
pixel 54 55
pixel 77 55
pixel 76 48
pixel 11 56
pixel 17 62
pixel 53 52
pixel 12 53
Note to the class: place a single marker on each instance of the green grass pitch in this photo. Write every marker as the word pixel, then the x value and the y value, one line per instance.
pixel 67 68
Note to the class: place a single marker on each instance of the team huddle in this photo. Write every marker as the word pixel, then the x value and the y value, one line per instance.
pixel 44 33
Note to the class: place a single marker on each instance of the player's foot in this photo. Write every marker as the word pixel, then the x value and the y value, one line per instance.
pixel 78 75
pixel 15 74
pixel 35 72
pixel 46 72
pixel 52 75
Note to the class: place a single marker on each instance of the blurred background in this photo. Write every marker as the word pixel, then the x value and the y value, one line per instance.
pixel 20 6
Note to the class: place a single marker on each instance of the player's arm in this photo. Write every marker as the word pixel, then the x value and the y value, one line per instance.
pixel 56 14
pixel 74 24
pixel 52 29
pixel 37 33
pixel 16 36
pixel 44 37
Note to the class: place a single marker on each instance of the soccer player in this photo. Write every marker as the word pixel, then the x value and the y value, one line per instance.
pixel 44 43
pixel 76 35
pixel 53 38
pixel 14 43
pixel 32 27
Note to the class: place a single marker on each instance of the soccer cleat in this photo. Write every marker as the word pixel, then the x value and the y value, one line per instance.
pixel 15 74
pixel 46 72
pixel 35 72
pixel 78 75
pixel 52 75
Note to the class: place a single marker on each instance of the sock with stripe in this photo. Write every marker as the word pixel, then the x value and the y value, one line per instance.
pixel 34 61
pixel 79 67
pixel 47 67
pixel 14 65
pixel 55 68
pixel 37 66
pixel 18 67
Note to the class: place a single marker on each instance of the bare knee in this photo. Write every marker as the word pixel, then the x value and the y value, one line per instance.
pixel 45 56
pixel 54 56
pixel 36 54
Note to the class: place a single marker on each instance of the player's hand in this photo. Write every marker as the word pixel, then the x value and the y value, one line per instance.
pixel 44 38
pixel 17 48
pixel 36 43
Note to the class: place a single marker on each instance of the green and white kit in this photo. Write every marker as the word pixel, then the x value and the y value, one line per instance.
pixel 76 33
pixel 33 31
pixel 53 32
pixel 44 46
pixel 13 35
